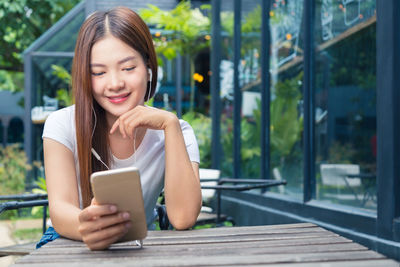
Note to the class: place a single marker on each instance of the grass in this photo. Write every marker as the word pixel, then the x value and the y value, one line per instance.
pixel 213 225
pixel 28 235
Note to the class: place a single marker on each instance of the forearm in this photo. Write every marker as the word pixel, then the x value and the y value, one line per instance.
pixel 65 219
pixel 182 186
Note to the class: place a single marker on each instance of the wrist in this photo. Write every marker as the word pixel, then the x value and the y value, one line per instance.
pixel 171 121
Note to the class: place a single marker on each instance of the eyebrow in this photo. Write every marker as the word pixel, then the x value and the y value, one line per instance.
pixel 119 62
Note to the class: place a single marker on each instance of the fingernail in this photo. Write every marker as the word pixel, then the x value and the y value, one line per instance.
pixel 125 215
pixel 113 208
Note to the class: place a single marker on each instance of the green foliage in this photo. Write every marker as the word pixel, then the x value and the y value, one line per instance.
pixel 227 22
pixel 64 96
pixel 286 128
pixel 28 235
pixel 37 211
pixel 13 168
pixel 183 26
pixel 213 225
pixel 201 125
pixel 250 145
pixel 183 31
pixel 22 22
pixel 252 21
pixel 12 81
pixel 62 73
pixel 286 125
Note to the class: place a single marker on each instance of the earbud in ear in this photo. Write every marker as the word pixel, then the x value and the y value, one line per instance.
pixel 150 74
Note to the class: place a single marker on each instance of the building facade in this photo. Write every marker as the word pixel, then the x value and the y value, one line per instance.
pixel 307 91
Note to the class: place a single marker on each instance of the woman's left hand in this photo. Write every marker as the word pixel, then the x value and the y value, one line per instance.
pixel 142 116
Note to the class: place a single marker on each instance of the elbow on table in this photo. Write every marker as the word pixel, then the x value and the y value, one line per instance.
pixel 184 222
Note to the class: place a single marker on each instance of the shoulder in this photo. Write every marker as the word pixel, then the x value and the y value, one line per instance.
pixel 60 126
pixel 185 126
pixel 62 115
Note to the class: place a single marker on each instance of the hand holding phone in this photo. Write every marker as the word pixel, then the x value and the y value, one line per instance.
pixel 122 188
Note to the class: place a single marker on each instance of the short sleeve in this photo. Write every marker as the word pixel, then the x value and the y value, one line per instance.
pixel 60 127
pixel 192 146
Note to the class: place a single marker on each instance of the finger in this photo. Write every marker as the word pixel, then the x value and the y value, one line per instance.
pixel 94 211
pixel 131 127
pixel 103 238
pixel 107 221
pixel 114 127
pixel 104 244
pixel 88 227
pixel 122 128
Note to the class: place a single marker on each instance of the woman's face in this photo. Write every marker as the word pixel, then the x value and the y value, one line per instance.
pixel 119 76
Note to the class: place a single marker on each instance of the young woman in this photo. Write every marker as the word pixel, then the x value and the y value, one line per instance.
pixel 114 72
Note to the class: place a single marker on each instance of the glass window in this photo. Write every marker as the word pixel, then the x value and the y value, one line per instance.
pixel 226 87
pixel 46 82
pixel 2 141
pixel 15 131
pixel 286 118
pixel 64 40
pixel 345 102
pixel 250 86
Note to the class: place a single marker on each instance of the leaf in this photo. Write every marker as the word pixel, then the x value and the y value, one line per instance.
pixel 183 29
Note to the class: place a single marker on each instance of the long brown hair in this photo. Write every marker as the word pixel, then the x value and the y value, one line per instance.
pixel 126 25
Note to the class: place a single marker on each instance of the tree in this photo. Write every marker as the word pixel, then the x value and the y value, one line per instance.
pixel 22 22
pixel 186 32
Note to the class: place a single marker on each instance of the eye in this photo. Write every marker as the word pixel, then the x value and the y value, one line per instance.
pixel 130 68
pixel 98 73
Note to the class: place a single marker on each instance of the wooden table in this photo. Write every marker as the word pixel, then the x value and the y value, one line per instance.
pixel 283 245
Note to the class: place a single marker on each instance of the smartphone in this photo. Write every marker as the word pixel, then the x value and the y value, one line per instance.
pixel 122 188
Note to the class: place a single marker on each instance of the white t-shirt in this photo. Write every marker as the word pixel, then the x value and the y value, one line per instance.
pixel 150 155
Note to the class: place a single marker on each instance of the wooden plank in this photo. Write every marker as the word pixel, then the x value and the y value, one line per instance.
pixel 206 240
pixel 224 232
pixel 284 244
pixel 367 263
pixel 301 240
pixel 302 245
pixel 248 248
pixel 195 251
pixel 233 231
pixel 218 235
pixel 182 260
pixel 17 250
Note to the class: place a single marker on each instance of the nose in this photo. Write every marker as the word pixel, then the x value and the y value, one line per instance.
pixel 115 82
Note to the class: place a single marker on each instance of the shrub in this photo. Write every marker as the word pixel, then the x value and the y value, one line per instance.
pixel 13 168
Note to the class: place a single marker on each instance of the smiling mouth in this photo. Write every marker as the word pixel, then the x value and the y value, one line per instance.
pixel 118 99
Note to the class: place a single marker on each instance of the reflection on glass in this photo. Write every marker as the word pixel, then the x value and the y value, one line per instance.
pixel 249 83
pixel 285 21
pixel 226 88
pixel 64 40
pixel 345 102
pixel 286 118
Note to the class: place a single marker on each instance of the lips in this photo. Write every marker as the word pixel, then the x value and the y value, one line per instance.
pixel 119 98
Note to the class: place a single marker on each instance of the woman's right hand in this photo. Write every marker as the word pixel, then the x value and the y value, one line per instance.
pixel 102 225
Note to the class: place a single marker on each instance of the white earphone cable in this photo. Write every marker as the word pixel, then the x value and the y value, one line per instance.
pixel 95 154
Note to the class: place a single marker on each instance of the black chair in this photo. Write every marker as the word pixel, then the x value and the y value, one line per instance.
pixel 231 184
pixel 217 217
pixel 32 200
pixel 17 202
pixel 25 201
